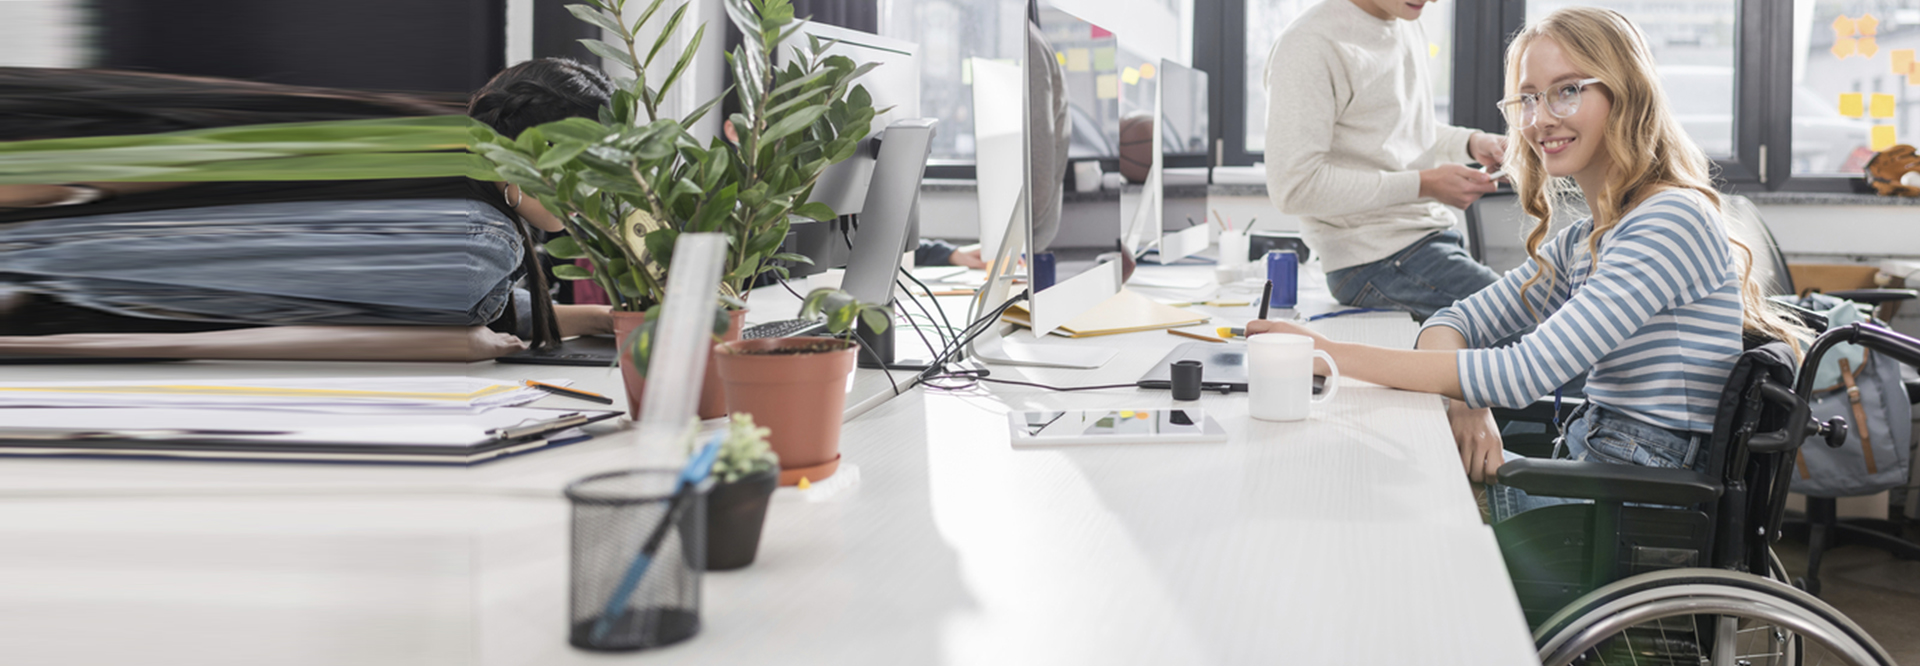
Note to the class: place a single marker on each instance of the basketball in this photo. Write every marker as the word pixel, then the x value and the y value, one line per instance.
pixel 1136 146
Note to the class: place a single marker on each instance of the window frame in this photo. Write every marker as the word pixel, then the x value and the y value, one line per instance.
pixel 1763 111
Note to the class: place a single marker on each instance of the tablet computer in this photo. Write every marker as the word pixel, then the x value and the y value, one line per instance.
pixel 1113 426
pixel 1223 368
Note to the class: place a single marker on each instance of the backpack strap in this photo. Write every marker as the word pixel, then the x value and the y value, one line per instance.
pixel 1847 375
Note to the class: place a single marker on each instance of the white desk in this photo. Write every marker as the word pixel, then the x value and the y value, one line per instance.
pixel 1347 538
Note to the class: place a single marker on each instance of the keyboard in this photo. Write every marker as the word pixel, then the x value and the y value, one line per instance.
pixel 784 329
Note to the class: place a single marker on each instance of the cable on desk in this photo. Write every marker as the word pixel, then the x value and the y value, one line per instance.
pixel 974 377
pixel 923 312
pixel 936 302
pixel 973 330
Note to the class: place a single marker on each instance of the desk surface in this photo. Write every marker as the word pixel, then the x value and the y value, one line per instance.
pixel 1347 538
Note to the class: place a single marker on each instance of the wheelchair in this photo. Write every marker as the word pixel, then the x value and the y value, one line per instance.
pixel 1675 566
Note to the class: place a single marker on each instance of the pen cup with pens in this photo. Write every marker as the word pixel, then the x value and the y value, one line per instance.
pixel 639 548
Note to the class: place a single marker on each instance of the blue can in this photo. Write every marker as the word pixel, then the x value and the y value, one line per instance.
pixel 1283 268
pixel 1043 274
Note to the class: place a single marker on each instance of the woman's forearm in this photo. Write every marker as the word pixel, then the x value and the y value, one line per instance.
pixel 1425 370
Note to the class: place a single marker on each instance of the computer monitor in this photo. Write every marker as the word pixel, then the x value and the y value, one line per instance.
pixel 894 87
pixel 1181 92
pixel 1008 102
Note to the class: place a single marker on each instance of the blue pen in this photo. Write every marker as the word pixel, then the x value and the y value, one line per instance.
pixel 696 470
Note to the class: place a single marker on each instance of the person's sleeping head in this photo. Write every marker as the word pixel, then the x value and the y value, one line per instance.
pixel 539 91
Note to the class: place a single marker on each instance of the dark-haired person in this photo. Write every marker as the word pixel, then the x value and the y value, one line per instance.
pixel 125 257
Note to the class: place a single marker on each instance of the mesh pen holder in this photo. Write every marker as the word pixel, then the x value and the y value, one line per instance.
pixel 613 516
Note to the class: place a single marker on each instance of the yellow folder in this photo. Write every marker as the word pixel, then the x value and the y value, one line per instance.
pixel 1124 312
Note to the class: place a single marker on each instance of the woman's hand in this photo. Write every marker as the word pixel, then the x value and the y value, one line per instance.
pixel 33 196
pixel 967 258
pixel 1478 438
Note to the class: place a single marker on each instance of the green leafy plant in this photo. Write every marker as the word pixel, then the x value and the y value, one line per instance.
pixel 744 450
pixel 626 186
pixel 842 311
pixel 639 344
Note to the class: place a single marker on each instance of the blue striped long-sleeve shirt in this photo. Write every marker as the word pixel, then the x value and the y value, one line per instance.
pixel 1656 318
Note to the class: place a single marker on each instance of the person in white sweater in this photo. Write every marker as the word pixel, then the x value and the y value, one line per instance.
pixel 1354 150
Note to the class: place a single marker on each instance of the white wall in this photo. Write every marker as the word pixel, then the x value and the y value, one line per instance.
pixel 1147 27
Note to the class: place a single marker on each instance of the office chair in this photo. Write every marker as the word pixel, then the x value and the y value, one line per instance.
pixel 1676 565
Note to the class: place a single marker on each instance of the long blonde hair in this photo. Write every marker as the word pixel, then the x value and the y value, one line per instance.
pixel 1646 147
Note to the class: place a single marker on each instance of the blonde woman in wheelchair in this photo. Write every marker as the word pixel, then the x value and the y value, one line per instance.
pixel 1649 296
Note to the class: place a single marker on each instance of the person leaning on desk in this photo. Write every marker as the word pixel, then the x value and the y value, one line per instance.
pixel 1645 295
pixel 309 232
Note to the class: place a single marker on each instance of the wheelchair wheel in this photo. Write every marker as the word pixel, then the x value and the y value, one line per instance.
pixel 1703 616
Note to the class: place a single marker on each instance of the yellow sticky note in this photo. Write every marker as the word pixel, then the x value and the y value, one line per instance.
pixel 1130 76
pixel 1433 50
pixel 1842 27
pixel 1868 47
pixel 1126 413
pixel 1913 74
pixel 1079 60
pixel 1844 47
pixel 1103 58
pixel 1062 57
pixel 1901 60
pixel 1866 24
pixel 1850 105
pixel 1883 138
pixel 1106 86
pixel 1881 106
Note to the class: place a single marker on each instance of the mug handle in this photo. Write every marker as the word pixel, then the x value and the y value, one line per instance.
pixel 1333 381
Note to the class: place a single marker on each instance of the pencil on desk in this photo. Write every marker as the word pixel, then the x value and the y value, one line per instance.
pixel 588 396
pixel 1196 336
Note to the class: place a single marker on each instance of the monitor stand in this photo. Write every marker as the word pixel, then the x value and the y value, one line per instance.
pixel 993 347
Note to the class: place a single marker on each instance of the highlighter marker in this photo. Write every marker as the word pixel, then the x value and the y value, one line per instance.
pixel 1231 332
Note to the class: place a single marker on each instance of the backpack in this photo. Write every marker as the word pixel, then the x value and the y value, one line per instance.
pixel 1854 383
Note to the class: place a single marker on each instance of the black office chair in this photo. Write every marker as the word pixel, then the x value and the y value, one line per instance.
pixel 1676 566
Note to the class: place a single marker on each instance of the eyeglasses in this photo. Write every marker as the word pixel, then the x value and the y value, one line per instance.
pixel 1562 100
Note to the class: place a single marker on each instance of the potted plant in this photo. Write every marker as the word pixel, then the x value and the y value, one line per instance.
pixel 747 473
pixel 797 387
pixel 627 185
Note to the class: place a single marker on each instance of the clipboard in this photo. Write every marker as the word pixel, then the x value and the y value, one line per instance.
pixel 417 438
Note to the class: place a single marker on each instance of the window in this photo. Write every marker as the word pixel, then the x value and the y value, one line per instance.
pixel 1266 19
pixel 949 32
pixel 1853 78
pixel 1693 46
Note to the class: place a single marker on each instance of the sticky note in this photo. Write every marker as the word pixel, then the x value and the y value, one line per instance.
pixel 1147 71
pixel 1130 76
pixel 1883 138
pixel 1106 86
pixel 1433 50
pixel 1881 106
pixel 1126 413
pixel 1844 47
pixel 1103 58
pixel 1913 75
pixel 1850 105
pixel 1062 57
pixel 1079 60
pixel 1901 60
pixel 1866 24
pixel 1868 47
pixel 1843 27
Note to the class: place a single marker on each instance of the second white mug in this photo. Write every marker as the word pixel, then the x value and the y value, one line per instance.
pixel 1280 376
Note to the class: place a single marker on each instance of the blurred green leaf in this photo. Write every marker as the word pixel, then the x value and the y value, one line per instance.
pixel 571 272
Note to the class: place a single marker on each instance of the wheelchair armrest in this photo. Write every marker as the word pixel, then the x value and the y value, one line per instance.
pixel 1539 411
pixel 1875 297
pixel 1609 482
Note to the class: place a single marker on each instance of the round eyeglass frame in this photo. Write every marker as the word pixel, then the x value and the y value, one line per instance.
pixel 1529 104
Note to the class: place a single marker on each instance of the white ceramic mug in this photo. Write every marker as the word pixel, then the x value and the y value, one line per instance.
pixel 1280 376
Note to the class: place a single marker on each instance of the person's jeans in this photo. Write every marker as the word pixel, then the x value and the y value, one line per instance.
pixel 409 261
pixel 1600 434
pixel 1426 276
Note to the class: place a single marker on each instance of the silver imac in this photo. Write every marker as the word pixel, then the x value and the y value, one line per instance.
pixel 1017 125
pixel 1181 139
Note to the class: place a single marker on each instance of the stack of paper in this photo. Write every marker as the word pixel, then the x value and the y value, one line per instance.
pixel 334 395
pixel 1124 312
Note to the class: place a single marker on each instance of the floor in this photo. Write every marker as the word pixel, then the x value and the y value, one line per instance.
pixel 1878 591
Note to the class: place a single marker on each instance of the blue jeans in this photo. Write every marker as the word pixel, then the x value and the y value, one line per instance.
pixel 1601 434
pixel 404 261
pixel 1426 276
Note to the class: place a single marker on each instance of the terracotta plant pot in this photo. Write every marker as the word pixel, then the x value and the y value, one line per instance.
pixel 799 396
pixel 713 396
pixel 735 513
